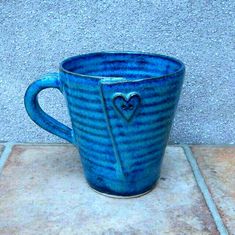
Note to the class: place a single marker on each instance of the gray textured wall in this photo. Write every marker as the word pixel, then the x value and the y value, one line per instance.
pixel 36 35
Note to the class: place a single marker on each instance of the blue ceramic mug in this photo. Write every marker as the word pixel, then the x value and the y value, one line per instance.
pixel 121 107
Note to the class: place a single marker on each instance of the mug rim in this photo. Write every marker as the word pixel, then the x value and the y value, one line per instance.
pixel 181 69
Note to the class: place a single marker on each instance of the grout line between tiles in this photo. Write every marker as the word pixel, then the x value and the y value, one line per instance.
pixel 212 145
pixel 5 154
pixel 170 144
pixel 205 191
pixel 38 143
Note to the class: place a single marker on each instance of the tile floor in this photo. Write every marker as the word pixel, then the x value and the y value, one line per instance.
pixel 43 191
pixel 217 165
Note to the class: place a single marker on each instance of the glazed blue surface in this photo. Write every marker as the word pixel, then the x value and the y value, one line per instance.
pixel 121 107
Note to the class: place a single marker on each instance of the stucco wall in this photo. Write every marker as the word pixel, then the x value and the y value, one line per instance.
pixel 36 35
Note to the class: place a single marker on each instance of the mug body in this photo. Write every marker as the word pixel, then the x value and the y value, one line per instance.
pixel 121 107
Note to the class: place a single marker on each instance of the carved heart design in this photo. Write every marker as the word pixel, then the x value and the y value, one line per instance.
pixel 126 105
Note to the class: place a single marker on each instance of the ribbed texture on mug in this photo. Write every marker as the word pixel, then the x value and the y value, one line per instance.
pixel 145 138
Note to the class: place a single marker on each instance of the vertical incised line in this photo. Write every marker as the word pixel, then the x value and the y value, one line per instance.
pixel 116 153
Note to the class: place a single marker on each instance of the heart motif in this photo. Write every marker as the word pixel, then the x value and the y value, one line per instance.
pixel 126 105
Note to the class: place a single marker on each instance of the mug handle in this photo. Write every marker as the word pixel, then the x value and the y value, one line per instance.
pixel 35 112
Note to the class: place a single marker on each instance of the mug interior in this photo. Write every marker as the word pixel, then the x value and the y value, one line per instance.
pixel 125 65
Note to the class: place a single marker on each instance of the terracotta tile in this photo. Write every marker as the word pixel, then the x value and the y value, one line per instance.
pixel 218 168
pixel 43 191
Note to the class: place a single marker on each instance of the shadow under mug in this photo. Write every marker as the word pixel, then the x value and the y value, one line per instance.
pixel 121 106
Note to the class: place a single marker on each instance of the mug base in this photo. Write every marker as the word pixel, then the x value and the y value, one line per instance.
pixel 123 197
